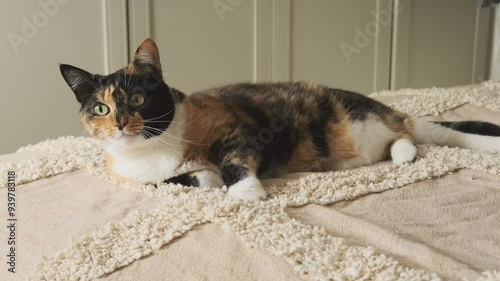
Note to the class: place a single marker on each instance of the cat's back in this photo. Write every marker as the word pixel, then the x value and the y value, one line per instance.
pixel 302 98
pixel 264 93
pixel 284 96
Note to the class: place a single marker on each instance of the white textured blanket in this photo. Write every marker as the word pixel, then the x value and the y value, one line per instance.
pixel 443 221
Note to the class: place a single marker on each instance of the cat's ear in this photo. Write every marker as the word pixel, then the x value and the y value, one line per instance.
pixel 146 58
pixel 80 81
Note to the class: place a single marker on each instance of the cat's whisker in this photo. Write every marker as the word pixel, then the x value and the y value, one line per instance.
pixel 171 144
pixel 125 82
pixel 166 145
pixel 96 146
pixel 152 119
pixel 80 134
pixel 179 139
pixel 165 132
pixel 101 86
pixel 124 79
pixel 153 128
pixel 128 81
pixel 135 131
pixel 97 87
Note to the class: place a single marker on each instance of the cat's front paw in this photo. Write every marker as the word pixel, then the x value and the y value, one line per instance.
pixel 248 189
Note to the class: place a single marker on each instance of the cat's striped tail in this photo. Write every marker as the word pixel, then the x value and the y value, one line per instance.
pixel 467 134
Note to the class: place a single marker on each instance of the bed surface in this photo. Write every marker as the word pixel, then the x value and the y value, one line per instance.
pixel 438 218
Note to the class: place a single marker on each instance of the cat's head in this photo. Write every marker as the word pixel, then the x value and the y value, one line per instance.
pixel 131 104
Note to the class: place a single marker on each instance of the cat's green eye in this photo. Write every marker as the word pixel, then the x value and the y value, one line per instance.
pixel 136 100
pixel 101 110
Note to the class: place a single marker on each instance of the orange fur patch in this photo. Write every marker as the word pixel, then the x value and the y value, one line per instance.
pixel 340 143
pixel 104 126
pixel 397 122
pixel 135 123
pixel 341 146
pixel 304 159
pixel 312 86
pixel 110 162
pixel 205 123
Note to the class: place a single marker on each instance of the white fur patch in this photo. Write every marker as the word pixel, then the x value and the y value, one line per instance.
pixel 209 178
pixel 149 160
pixel 249 189
pixel 371 138
pixel 403 151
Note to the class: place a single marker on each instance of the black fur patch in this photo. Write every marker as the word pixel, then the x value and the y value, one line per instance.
pixel 358 106
pixel 245 104
pixel 279 151
pixel 184 179
pixel 232 174
pixel 80 81
pixel 158 106
pixel 473 127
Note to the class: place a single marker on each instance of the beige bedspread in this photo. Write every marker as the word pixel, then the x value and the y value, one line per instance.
pixel 437 218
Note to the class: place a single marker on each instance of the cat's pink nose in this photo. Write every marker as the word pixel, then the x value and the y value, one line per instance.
pixel 122 124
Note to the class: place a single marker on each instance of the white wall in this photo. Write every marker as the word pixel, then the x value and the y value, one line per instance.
pixel 37 103
pixel 215 42
pixel 495 52
pixel 440 43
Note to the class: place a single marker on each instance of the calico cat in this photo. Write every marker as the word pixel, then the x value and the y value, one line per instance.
pixel 237 134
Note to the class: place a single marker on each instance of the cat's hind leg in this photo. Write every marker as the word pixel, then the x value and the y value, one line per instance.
pixel 403 150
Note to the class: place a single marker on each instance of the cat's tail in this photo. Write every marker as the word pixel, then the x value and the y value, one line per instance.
pixel 467 134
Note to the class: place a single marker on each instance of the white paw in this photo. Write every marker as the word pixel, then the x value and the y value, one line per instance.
pixel 248 189
pixel 209 178
pixel 403 151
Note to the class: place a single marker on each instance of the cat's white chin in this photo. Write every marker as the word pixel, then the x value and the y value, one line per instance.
pixel 121 138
